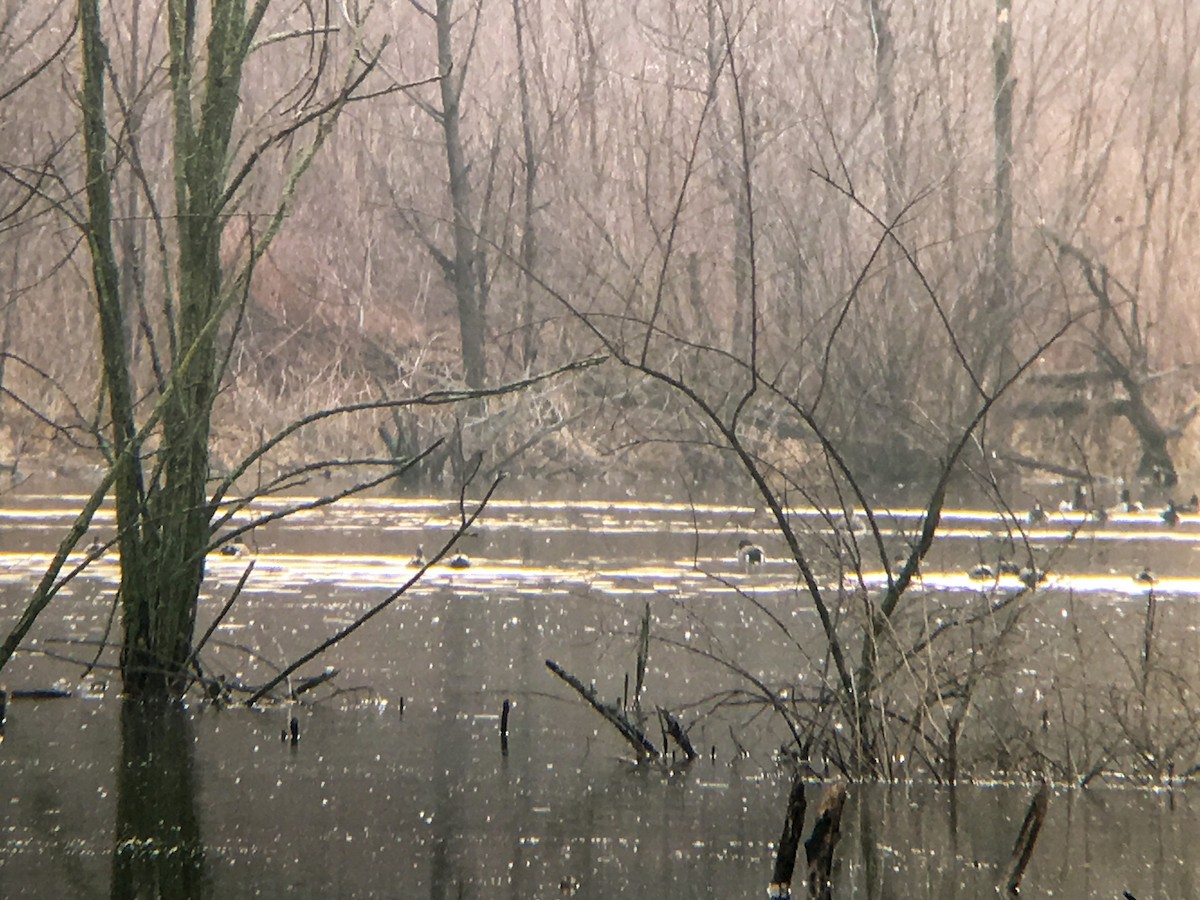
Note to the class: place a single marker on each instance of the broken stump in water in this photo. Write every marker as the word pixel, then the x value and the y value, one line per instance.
pixel 504 711
pixel 789 842
pixel 823 841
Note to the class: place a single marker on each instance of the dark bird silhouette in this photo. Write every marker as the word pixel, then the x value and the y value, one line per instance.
pixel 1125 504
pixel 981 572
pixel 1145 577
pixel 1191 505
pixel 459 561
pixel 1031 577
pixel 417 561
pixel 235 547
pixel 750 556
pixel 1036 514
pixel 1080 501
pixel 1170 515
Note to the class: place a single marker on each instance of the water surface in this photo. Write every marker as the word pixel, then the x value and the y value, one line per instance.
pixel 398 786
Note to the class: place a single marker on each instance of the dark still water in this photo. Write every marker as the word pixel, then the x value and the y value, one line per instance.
pixel 398 786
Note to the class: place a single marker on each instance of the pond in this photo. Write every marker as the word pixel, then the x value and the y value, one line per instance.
pixel 399 786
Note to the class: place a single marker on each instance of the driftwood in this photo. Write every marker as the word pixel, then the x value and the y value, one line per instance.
pixel 1023 848
pixel 675 729
pixel 823 841
pixel 789 842
pixel 629 730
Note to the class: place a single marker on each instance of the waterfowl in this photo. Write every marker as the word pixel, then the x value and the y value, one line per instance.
pixel 1008 567
pixel 1031 577
pixel 1036 514
pixel 234 547
pixel 750 556
pixel 1124 504
pixel 1170 515
pixel 418 561
pixel 981 572
pixel 1191 505
pixel 854 523
pixel 459 561
pixel 1080 501
pixel 1145 577
pixel 901 560
pixel 95 548
pixel 1100 515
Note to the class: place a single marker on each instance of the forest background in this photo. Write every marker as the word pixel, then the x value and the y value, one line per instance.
pixel 769 181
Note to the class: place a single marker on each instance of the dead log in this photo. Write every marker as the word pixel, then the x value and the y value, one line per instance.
pixel 1023 848
pixel 789 842
pixel 1028 462
pixel 629 730
pixel 823 841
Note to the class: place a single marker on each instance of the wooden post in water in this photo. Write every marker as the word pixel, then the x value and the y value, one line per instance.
pixel 1023 848
pixel 823 841
pixel 504 726
pixel 789 842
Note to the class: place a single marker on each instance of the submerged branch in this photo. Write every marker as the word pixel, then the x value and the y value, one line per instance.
pixel 640 743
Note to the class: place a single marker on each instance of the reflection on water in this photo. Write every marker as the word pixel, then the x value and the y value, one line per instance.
pixel 369 805
pixel 158 850
pixel 380 799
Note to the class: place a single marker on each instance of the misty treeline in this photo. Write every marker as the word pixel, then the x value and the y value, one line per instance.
pixel 512 171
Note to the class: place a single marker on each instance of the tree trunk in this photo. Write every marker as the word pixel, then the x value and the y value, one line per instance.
pixel 471 315
pixel 164 526
pixel 529 329
pixel 1003 288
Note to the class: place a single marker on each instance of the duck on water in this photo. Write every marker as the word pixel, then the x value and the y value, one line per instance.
pixel 750 557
